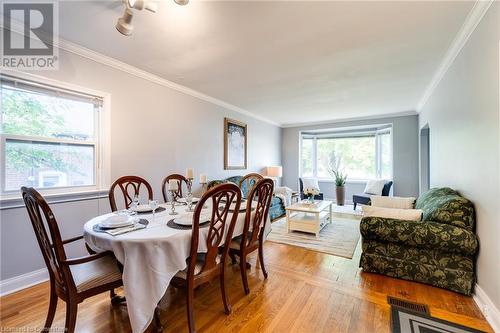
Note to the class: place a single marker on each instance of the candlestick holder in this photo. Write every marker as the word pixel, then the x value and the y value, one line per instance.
pixel 189 198
pixel 204 189
pixel 172 202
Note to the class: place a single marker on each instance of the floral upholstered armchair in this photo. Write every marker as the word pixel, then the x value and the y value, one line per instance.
pixel 439 250
pixel 277 208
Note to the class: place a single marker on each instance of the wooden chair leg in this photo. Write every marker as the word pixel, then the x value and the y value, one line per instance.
pixel 157 326
pixel 190 308
pixel 52 309
pixel 71 311
pixel 233 257
pixel 243 269
pixel 261 258
pixel 227 306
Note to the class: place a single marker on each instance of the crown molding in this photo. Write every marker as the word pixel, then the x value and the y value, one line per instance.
pixel 129 69
pixel 132 70
pixel 475 16
pixel 345 120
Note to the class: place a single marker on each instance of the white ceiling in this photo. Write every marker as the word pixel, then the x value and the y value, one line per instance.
pixel 289 62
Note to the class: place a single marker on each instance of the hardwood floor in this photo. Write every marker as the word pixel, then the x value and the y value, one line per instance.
pixel 306 291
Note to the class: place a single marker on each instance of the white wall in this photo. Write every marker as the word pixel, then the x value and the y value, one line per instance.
pixel 405 155
pixel 155 131
pixel 463 117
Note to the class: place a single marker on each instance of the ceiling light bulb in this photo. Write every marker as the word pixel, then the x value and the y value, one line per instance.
pixel 182 2
pixel 124 24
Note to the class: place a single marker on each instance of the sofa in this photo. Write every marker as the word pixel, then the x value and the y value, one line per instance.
pixel 277 208
pixel 364 199
pixel 440 250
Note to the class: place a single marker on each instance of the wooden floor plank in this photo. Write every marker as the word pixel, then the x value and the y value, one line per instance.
pixel 306 291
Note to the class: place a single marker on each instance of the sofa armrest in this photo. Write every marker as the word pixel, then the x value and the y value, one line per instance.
pixel 420 234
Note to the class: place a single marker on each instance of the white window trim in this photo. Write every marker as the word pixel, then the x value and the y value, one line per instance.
pixel 103 156
pixel 314 153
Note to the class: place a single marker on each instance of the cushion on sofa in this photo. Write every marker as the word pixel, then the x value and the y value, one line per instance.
pixel 393 213
pixel 310 183
pixel 392 202
pixel 374 186
pixel 431 235
pixel 445 205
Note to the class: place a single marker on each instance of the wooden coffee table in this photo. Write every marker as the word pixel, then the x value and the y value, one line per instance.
pixel 308 217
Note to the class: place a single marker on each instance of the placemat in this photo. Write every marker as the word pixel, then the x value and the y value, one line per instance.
pixel 174 225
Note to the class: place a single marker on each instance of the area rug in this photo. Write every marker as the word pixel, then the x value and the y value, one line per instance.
pixel 404 321
pixel 338 238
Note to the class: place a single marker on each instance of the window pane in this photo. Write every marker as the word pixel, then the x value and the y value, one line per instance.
pixel 45 165
pixel 354 156
pixel 307 158
pixel 34 114
pixel 385 156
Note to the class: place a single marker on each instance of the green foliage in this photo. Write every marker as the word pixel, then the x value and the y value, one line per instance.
pixel 339 177
pixel 23 114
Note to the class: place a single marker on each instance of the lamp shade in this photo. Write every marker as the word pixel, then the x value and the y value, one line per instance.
pixel 274 171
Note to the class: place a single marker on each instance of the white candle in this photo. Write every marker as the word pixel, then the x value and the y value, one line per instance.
pixel 203 179
pixel 189 173
pixel 172 185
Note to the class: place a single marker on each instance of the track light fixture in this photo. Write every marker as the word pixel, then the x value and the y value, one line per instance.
pixel 124 24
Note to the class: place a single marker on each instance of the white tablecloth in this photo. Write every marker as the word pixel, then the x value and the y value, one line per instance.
pixel 150 258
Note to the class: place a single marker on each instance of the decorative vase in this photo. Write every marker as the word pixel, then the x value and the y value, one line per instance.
pixel 310 198
pixel 340 192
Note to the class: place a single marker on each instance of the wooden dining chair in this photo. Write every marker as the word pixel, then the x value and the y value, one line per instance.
pixel 164 186
pixel 247 182
pixel 203 267
pixel 125 184
pixel 253 229
pixel 72 280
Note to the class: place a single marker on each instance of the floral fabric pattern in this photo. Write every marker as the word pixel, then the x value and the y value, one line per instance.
pixel 440 250
pixel 277 208
pixel 445 205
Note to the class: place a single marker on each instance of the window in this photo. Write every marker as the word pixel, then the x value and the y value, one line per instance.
pixel 49 137
pixel 361 154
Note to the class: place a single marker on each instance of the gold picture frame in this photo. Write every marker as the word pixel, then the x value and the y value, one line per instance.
pixel 235 144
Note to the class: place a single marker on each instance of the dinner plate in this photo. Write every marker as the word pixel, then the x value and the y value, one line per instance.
pixel 142 208
pixel 187 218
pixel 184 200
pixel 117 221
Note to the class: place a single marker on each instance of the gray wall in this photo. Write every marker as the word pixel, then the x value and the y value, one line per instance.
pixel 155 131
pixel 463 117
pixel 405 155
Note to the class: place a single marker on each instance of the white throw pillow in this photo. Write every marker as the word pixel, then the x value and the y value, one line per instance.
pixel 393 213
pixel 310 183
pixel 375 186
pixel 392 202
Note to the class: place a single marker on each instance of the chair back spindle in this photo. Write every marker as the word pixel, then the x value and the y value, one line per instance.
pixel 255 222
pixel 180 179
pixel 222 223
pixel 129 186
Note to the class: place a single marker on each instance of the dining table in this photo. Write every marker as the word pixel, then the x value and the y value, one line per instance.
pixel 152 256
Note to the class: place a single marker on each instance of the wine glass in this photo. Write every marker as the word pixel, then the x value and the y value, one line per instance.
pixel 135 201
pixel 153 204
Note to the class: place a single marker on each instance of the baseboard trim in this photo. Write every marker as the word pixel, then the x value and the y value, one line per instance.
pixel 16 283
pixel 487 307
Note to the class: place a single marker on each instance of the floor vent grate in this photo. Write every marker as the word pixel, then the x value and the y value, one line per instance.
pixel 415 307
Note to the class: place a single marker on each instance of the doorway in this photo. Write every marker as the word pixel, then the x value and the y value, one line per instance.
pixel 425 178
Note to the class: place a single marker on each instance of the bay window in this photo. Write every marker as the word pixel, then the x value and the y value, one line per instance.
pixel 363 153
